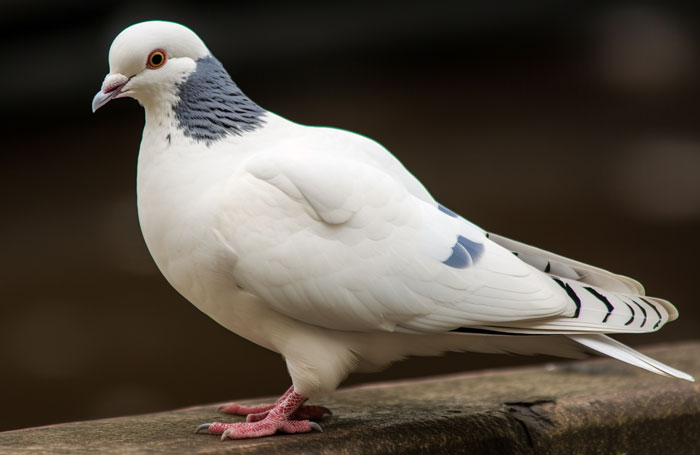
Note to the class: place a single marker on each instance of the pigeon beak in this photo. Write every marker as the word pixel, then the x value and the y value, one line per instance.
pixel 111 88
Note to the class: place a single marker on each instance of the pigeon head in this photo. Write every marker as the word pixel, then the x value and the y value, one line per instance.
pixel 169 70
pixel 147 60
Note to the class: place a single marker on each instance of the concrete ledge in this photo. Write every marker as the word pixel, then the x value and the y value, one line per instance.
pixel 590 407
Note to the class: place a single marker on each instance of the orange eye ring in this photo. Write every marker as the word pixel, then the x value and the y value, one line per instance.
pixel 156 59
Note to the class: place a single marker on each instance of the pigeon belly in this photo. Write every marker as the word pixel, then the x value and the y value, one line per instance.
pixel 179 219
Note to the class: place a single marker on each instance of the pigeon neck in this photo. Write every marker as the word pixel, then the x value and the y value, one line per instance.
pixel 210 105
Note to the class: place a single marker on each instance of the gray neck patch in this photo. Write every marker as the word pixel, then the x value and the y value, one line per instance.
pixel 211 105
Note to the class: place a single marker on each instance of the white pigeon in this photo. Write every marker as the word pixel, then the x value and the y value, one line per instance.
pixel 318 244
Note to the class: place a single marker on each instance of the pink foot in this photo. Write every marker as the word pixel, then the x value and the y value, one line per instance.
pixel 265 427
pixel 272 419
pixel 259 412
pixel 238 410
pixel 305 412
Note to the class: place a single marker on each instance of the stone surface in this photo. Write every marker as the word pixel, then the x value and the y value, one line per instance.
pixel 592 407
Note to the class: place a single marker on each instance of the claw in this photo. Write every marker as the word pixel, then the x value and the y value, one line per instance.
pixel 225 434
pixel 316 427
pixel 204 426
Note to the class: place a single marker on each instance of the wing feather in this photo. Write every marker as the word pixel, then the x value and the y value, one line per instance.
pixel 352 242
pixel 568 268
pixel 364 253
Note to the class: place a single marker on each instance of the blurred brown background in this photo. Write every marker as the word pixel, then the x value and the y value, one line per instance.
pixel 571 125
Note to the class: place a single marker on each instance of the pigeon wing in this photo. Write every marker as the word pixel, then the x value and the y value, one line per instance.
pixel 347 246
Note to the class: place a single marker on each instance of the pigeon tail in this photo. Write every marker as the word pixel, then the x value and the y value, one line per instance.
pixel 605 345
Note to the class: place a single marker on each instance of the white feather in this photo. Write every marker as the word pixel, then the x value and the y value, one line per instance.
pixel 607 346
pixel 568 268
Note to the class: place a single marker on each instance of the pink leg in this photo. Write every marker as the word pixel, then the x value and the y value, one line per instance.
pixel 257 413
pixel 278 418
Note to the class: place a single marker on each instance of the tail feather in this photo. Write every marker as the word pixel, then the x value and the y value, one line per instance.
pixel 605 345
pixel 604 303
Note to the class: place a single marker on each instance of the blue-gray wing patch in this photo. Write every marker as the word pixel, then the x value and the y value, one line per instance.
pixel 464 253
pixel 447 211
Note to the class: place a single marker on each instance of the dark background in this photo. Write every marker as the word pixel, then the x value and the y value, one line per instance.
pixel 570 125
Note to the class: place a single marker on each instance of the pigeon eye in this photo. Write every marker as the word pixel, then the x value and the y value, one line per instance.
pixel 156 59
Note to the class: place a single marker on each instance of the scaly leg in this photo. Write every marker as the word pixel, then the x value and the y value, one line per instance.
pixel 278 418
pixel 257 413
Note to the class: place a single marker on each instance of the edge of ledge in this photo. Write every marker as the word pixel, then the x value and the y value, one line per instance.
pixel 569 407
